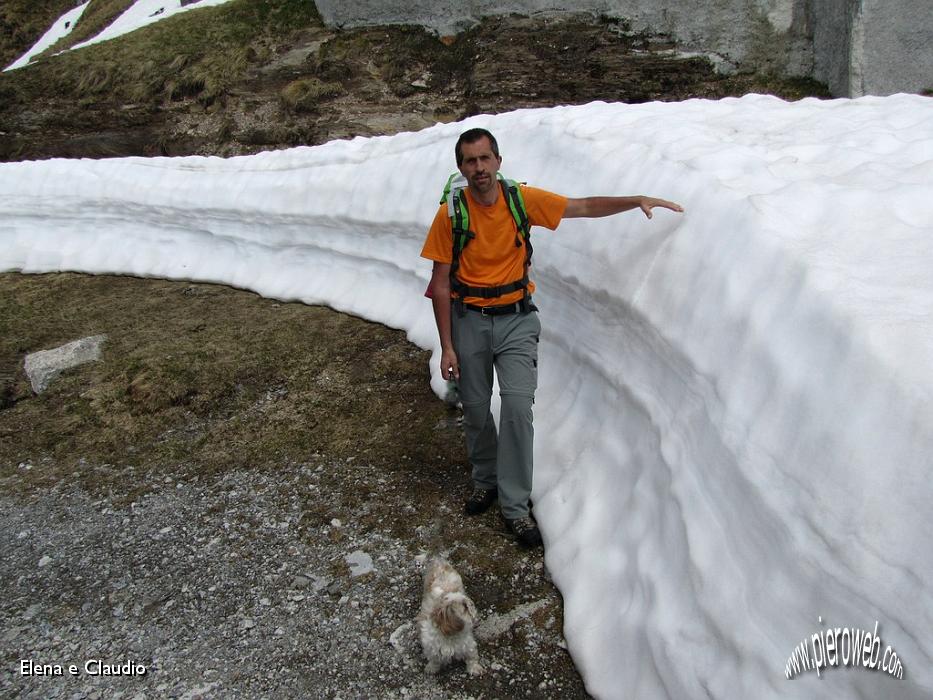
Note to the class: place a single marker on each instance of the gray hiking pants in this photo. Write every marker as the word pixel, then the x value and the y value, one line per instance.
pixel 510 344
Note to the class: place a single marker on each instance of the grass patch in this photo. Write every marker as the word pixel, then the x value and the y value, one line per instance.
pixel 175 58
pixel 199 379
pixel 303 96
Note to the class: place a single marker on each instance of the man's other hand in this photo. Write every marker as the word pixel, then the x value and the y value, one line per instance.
pixel 450 366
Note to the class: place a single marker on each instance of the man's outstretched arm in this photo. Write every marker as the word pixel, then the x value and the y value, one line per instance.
pixel 594 207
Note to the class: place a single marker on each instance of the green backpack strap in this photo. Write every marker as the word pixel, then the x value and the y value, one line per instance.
pixel 456 181
pixel 458 211
pixel 516 202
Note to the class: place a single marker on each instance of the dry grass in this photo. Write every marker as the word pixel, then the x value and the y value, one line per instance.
pixel 304 95
pixel 205 379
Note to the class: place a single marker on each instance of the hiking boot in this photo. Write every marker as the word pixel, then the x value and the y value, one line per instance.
pixel 480 500
pixel 525 531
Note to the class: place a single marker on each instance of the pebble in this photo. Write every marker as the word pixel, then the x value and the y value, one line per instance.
pixel 360 563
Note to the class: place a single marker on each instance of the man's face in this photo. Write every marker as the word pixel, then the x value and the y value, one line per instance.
pixel 479 165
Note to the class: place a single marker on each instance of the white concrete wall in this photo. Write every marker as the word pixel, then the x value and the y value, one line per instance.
pixel 855 46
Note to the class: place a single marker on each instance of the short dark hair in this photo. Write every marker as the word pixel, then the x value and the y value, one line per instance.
pixel 472 136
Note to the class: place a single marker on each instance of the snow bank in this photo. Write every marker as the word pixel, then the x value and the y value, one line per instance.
pixel 734 415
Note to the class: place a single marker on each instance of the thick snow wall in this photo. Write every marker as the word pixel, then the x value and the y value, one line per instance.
pixel 734 414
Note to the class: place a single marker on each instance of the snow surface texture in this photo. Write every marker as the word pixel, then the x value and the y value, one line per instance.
pixel 735 412
pixel 60 28
pixel 139 14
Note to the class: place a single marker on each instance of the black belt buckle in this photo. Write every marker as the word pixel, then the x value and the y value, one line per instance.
pixel 500 310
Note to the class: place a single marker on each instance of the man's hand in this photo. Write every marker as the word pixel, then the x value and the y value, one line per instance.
pixel 649 203
pixel 450 366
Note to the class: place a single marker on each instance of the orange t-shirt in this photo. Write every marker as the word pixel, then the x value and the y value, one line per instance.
pixel 492 259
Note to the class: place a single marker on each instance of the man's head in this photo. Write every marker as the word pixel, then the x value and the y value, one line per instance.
pixel 472 136
pixel 478 160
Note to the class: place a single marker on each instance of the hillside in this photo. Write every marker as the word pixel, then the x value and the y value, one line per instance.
pixel 254 75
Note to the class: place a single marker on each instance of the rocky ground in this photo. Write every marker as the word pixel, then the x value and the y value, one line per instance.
pixel 235 588
pixel 255 528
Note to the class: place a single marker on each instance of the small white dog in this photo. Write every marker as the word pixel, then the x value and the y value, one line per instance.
pixel 445 623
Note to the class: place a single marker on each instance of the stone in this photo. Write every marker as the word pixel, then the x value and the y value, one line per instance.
pixel 44 366
pixel 360 563
pixel 300 582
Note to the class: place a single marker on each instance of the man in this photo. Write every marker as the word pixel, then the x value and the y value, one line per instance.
pixel 485 319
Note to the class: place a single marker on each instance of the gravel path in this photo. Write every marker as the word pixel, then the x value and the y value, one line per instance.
pixel 258 584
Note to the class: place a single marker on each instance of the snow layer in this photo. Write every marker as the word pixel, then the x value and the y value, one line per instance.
pixel 60 28
pixel 735 413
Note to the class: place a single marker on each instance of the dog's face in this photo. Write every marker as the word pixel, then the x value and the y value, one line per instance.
pixel 453 612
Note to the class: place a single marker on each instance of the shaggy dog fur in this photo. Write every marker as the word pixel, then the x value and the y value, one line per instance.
pixel 445 623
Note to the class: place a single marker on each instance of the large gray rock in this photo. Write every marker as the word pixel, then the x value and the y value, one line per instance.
pixel 43 366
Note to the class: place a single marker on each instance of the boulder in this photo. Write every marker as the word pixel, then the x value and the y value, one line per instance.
pixel 44 366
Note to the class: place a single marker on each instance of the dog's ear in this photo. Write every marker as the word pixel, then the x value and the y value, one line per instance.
pixel 446 619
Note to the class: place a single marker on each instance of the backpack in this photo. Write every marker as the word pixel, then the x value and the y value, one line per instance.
pixel 460 225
